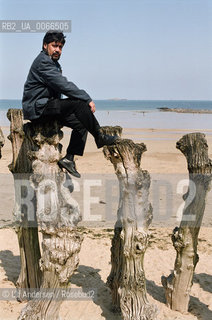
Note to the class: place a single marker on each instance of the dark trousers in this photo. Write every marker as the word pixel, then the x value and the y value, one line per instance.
pixel 75 114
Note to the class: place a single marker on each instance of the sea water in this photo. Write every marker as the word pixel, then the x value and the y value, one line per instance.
pixel 139 113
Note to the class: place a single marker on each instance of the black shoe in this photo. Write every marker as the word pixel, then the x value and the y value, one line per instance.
pixel 70 166
pixel 105 140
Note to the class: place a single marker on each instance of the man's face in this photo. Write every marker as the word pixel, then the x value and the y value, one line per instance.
pixel 54 49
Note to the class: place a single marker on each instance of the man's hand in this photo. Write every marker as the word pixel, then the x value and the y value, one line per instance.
pixel 92 106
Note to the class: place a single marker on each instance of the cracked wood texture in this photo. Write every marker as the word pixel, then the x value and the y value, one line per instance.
pixel 185 237
pixel 21 168
pixel 127 278
pixel 1 141
pixel 57 215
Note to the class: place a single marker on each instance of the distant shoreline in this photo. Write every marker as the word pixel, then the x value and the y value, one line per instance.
pixel 181 110
pixel 117 99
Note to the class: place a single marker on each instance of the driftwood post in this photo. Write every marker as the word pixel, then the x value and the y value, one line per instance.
pixel 21 168
pixel 185 238
pixel 127 278
pixel 57 214
pixel 1 141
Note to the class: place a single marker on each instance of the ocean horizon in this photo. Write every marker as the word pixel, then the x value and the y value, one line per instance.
pixel 139 113
pixel 125 104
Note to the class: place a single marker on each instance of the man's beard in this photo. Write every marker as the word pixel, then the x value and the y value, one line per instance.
pixel 57 57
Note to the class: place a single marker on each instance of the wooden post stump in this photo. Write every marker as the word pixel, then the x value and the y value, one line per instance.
pixel 127 278
pixel 1 141
pixel 185 238
pixel 57 214
pixel 21 168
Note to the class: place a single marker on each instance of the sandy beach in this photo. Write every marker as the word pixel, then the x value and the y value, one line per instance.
pixel 164 162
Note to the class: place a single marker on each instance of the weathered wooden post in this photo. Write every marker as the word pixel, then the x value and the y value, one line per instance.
pixel 27 231
pixel 36 151
pixel 185 238
pixel 57 214
pixel 127 278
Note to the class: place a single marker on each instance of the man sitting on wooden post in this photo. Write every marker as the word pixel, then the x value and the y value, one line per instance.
pixel 42 100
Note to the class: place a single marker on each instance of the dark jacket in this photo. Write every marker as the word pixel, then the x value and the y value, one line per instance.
pixel 44 82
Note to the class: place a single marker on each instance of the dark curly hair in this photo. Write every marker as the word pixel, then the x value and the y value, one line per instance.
pixel 54 35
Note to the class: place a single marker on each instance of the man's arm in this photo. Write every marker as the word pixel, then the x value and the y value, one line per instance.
pixel 53 78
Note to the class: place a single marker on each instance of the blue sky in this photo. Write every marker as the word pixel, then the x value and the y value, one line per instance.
pixel 138 49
